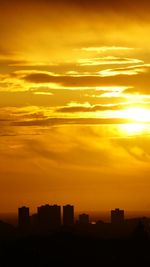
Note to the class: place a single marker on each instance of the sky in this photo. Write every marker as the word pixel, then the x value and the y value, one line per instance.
pixel 75 104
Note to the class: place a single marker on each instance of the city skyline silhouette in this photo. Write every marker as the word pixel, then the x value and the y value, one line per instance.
pixel 42 239
pixel 74 104
pixel 74 133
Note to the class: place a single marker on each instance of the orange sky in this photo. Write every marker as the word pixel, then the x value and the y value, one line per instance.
pixel 75 104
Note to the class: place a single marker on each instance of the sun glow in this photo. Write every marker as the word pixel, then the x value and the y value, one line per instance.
pixel 136 114
pixel 139 117
pixel 132 129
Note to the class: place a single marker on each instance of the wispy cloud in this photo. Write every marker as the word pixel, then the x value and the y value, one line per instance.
pixel 71 121
pixel 77 107
pixel 109 60
pixel 138 91
pixel 107 49
pixel 131 70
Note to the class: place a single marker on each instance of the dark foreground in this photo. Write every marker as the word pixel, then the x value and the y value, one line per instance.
pixel 68 249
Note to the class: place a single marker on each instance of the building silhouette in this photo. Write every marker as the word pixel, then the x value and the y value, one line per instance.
pixel 23 218
pixel 68 215
pixel 49 217
pixel 55 216
pixel 43 217
pixel 34 222
pixel 117 217
pixel 84 219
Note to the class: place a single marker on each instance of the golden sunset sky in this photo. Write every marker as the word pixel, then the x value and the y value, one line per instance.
pixel 75 104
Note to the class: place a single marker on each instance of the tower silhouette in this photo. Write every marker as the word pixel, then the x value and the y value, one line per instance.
pixel 117 217
pixel 68 215
pixel 23 218
pixel 49 217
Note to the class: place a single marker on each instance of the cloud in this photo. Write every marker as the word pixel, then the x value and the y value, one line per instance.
pixel 40 148
pixel 87 108
pixel 131 70
pixel 102 49
pixel 51 89
pixel 138 90
pixel 71 81
pixel 70 121
pixel 122 6
pixel 12 62
pixel 109 60
pixel 41 78
pixel 52 98
pixel 58 150
pixel 137 147
pixel 137 76
pixel 6 54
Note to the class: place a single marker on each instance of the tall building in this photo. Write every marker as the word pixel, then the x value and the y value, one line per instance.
pixel 117 216
pixel 55 215
pixel 44 217
pixel 23 218
pixel 34 222
pixel 68 215
pixel 84 219
pixel 49 217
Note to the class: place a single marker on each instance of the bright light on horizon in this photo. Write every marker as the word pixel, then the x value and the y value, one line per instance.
pixel 133 128
pixel 136 114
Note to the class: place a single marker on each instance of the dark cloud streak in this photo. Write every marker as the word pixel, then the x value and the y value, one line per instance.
pixel 74 121
pixel 74 109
